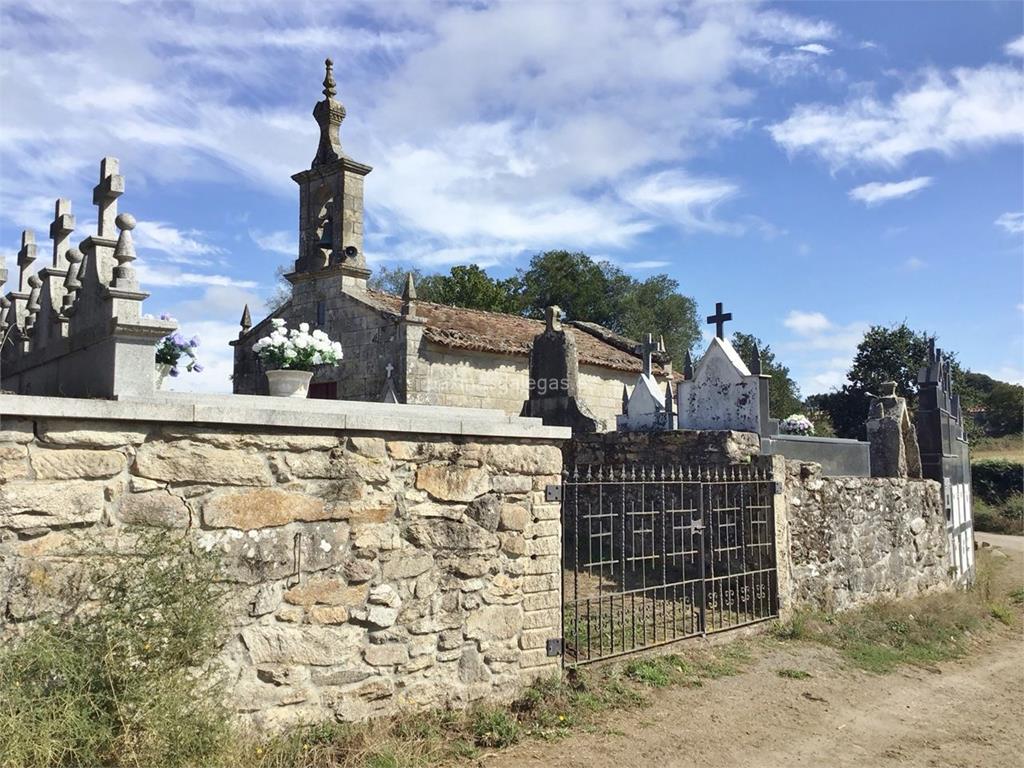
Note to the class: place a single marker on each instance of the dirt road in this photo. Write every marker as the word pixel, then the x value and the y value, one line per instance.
pixel 959 714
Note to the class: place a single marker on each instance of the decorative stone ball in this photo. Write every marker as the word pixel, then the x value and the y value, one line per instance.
pixel 125 221
pixel 74 255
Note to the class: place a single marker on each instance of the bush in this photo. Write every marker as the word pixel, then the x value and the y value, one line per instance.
pixel 127 677
pixel 996 480
pixel 1005 517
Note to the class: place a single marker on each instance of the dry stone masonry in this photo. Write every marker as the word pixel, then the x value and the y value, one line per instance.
pixel 368 571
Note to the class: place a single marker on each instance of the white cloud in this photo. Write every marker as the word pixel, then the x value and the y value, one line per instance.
pixel 283 242
pixel 646 264
pixel 878 192
pixel 816 48
pixel 179 245
pixel 150 275
pixel 1011 222
pixel 913 264
pixel 1015 47
pixel 941 112
pixel 689 203
pixel 806 323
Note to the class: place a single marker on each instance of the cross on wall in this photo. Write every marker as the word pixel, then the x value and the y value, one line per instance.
pixel 719 319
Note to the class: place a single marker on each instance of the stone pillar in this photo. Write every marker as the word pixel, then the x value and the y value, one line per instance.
pixel 894 451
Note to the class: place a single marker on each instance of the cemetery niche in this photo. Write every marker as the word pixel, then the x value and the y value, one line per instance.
pixel 76 328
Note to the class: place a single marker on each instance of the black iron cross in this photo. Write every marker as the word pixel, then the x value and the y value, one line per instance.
pixel 719 320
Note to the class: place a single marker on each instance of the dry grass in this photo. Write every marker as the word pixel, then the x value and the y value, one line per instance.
pixel 1008 448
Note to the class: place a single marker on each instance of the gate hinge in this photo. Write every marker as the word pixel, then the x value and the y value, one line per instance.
pixel 554 646
pixel 553 493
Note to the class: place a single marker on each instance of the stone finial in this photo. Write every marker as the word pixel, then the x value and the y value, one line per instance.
pixel 688 366
pixel 647 350
pixel 26 256
pixel 661 345
pixel 329 113
pixel 625 400
pixel 409 297
pixel 246 321
pixel 124 252
pixel 61 227
pixel 5 309
pixel 887 389
pixel 72 284
pixel 553 318
pixel 755 364
pixel 669 399
pixel 32 307
pixel 105 194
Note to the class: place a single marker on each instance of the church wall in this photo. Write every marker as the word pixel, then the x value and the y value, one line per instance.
pixel 472 379
pixel 601 392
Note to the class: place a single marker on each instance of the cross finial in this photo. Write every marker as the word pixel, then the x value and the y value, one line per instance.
pixel 719 319
pixel 60 232
pixel 553 318
pixel 104 196
pixel 26 256
pixel 648 349
pixel 388 369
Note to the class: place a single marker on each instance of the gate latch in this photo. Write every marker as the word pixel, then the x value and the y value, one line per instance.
pixel 554 644
pixel 552 493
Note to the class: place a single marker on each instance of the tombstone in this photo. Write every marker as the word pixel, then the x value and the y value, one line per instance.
pixel 647 409
pixel 554 379
pixel 722 393
pixel 76 327
pixel 894 451
pixel 945 455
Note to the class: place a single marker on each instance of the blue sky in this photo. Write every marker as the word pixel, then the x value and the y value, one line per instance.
pixel 819 167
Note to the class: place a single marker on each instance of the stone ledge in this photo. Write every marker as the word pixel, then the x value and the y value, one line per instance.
pixel 256 410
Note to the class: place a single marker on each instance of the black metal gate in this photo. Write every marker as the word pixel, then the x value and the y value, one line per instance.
pixel 652 555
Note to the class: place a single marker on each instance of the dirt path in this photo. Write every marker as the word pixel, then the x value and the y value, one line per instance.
pixel 962 714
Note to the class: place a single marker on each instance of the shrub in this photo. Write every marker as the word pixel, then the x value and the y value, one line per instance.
pixel 995 480
pixel 127 677
pixel 1004 517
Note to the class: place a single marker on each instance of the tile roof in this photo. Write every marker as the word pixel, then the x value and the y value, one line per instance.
pixel 483 331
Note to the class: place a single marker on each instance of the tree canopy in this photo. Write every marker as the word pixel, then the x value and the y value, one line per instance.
pixel 783 393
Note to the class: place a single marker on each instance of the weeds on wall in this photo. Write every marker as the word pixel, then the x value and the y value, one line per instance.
pixel 127 677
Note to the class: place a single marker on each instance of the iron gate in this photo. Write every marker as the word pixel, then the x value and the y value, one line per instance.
pixel 652 555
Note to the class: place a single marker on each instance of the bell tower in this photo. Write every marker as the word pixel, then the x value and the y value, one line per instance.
pixel 331 203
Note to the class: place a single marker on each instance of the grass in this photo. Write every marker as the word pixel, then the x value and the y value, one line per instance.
pixel 793 674
pixel 1009 448
pixel 885 635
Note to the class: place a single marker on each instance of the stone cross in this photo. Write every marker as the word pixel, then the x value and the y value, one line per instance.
pixel 26 256
pixel 104 196
pixel 388 369
pixel 648 349
pixel 719 319
pixel 553 318
pixel 61 227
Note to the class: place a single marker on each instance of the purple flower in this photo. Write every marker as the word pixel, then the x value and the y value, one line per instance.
pixel 194 341
pixel 179 340
pixel 165 316
pixel 197 368
pixel 173 371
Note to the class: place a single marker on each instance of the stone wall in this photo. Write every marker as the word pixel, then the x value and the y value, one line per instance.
pixel 369 570
pixel 685 447
pixel 857 539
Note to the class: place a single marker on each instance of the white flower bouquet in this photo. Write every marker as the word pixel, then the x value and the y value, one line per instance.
pixel 797 424
pixel 296 349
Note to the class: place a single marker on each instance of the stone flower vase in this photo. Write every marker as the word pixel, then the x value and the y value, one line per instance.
pixel 286 383
pixel 162 372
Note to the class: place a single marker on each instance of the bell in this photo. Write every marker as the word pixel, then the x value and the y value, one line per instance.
pixel 327 235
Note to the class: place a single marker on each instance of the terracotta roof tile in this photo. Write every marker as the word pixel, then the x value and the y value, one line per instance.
pixel 483 331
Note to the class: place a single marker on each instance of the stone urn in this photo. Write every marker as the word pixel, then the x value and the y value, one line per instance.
pixel 163 370
pixel 286 383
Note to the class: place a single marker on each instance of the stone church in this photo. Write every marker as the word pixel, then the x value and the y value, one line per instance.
pixel 396 347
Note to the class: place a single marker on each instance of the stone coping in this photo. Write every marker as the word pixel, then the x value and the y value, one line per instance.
pixel 815 439
pixel 257 410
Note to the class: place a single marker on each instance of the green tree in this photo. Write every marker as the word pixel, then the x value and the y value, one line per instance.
pixel 1004 409
pixel 583 288
pixel 471 287
pixel 783 393
pixel 392 280
pixel 655 306
pixel 886 353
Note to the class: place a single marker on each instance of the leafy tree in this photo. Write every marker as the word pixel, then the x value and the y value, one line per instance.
pixel 392 280
pixel 583 288
pixel 655 306
pixel 471 287
pixel 1004 409
pixel 783 393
